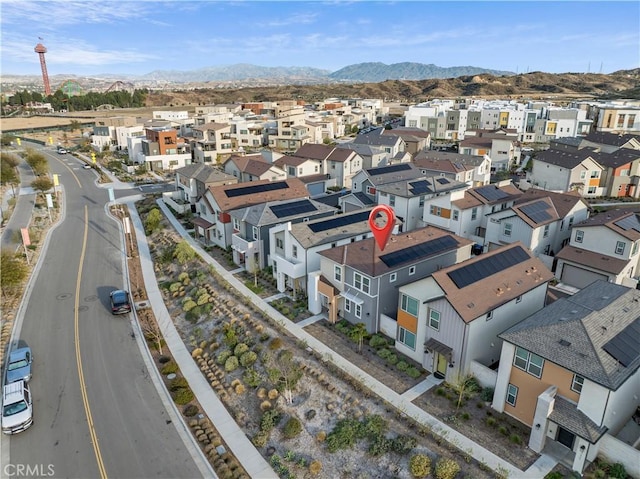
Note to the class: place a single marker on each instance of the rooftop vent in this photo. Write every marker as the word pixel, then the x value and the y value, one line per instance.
pixel 564 342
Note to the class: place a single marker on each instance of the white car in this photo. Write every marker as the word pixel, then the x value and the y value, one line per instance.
pixel 17 408
pixel 86 166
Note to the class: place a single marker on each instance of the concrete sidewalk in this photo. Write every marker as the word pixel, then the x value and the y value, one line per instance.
pixel 241 446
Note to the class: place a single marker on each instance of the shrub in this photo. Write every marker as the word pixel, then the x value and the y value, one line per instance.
pixel 175 287
pixel 203 299
pixel 260 439
pixel 270 419
pixel 617 471
pixel 379 446
pixel 190 410
pixel 251 377
pixel 413 372
pixel 392 359
pixel 420 465
pixel 403 444
pixel 402 366
pixel 440 391
pixel 223 356
pixel 169 368
pixel 164 359
pixel 231 364
pixel 503 430
pixel 264 337
pixel 377 341
pixel 446 468
pixel 514 438
pixel 315 467
pixel 240 349
pixel 248 358
pixel 178 383
pixel 183 396
pixel 189 305
pixel 276 343
pixel 292 428
pixel 487 394
pixel 491 421
pixel 384 353
pixel 344 435
pixel 183 276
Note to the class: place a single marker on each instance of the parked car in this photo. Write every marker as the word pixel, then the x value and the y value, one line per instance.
pixel 19 365
pixel 120 301
pixel 17 408
pixel 62 151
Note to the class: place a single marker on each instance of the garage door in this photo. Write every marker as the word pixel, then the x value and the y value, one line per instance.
pixel 579 277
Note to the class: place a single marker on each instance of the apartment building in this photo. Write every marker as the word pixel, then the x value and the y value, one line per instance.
pixel 211 141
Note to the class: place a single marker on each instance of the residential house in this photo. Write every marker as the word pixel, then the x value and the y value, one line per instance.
pixel 249 132
pixel 291 130
pixel 451 319
pixel 392 145
pixel 111 133
pixel 194 179
pixel 213 224
pixel 359 282
pixel 621 175
pixel 568 170
pixel 415 139
pixel 472 170
pixel 294 247
pixel 337 164
pixel 372 156
pixel 606 246
pixel 465 212
pixel 210 141
pixel 570 371
pixel 251 225
pixel 610 142
pixel 541 220
pixel 252 168
pixel 161 149
pixel 614 118
pixel 499 145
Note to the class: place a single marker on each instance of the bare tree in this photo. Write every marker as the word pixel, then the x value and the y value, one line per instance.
pixel 151 331
pixel 285 372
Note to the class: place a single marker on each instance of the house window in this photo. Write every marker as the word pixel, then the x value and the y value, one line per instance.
pixel 358 311
pixel 512 394
pixel 583 174
pixel 579 236
pixel 474 213
pixel 337 273
pixel 455 215
pixel 591 190
pixel 620 247
pixel 355 186
pixel 507 229
pixel 435 210
pixel 409 305
pixel 392 200
pixel 570 222
pixel 529 362
pixel 490 315
pixel 393 277
pixel 634 250
pixel 279 243
pixel 412 270
pixel 292 171
pixel 347 305
pixel 294 251
pixel 361 282
pixel 595 174
pixel 577 383
pixel 519 299
pixel 546 231
pixel 434 319
pixel 407 338
pixel 421 203
pixel 255 232
pixel 236 224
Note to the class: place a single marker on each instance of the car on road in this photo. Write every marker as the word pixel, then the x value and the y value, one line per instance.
pixel 120 301
pixel 17 408
pixel 19 364
pixel 86 166
pixel 62 151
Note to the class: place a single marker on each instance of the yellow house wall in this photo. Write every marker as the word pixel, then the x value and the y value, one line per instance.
pixel 408 322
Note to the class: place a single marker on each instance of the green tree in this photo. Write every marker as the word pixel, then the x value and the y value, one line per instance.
pixel 284 372
pixel 74 125
pixel 184 253
pixel 13 272
pixel 8 170
pixel 42 184
pixel 152 223
pixel 7 139
pixel 37 162
pixel 358 333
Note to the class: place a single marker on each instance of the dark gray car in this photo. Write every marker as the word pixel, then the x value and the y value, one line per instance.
pixel 19 365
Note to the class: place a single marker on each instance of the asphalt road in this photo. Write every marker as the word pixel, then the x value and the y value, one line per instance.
pixel 96 410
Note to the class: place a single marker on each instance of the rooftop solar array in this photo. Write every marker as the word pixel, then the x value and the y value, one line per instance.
pixel 253 189
pixel 419 251
pixel 537 211
pixel 293 209
pixel 420 187
pixel 491 193
pixel 383 170
pixel 442 181
pixel 488 266
pixel 339 220
pixel 624 346
pixel 629 223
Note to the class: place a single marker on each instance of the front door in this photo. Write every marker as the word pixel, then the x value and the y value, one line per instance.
pixel 566 438
pixel 441 369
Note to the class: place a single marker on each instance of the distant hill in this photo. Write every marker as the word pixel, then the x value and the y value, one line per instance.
pixel 378 72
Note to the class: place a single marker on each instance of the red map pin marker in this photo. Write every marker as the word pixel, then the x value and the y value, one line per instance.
pixel 382 233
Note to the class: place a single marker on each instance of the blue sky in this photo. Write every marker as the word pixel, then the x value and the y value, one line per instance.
pixel 138 37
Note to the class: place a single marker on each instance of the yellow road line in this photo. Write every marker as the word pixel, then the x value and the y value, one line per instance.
pixel 83 387
pixel 70 170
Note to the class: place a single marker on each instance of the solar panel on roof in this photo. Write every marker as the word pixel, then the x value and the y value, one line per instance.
pixel 491 192
pixel 631 222
pixel 419 251
pixel 420 187
pixel 340 220
pixel 488 266
pixel 624 347
pixel 537 211
pixel 442 181
pixel 253 189
pixel 294 208
pixel 383 170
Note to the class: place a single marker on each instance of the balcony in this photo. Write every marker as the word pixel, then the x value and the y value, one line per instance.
pixel 292 267
pixel 244 246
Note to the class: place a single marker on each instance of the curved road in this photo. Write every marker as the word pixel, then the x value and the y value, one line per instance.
pixel 97 412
